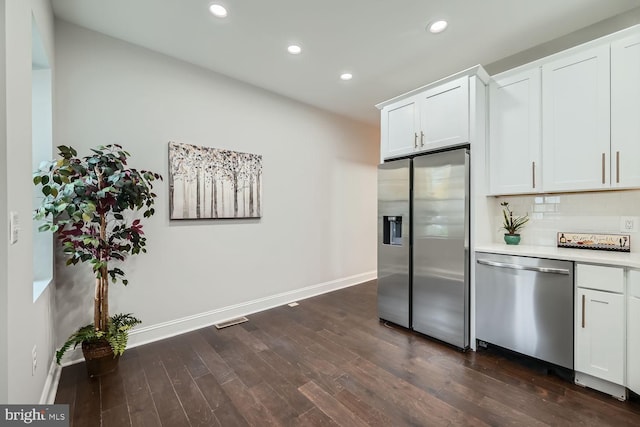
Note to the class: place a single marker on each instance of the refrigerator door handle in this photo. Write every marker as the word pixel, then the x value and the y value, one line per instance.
pixel 523 267
pixel 466 199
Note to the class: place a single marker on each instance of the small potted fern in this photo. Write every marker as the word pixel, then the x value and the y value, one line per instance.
pixel 512 224
pixel 100 358
pixel 89 204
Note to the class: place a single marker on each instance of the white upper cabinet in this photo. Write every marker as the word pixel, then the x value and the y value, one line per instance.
pixel 514 126
pixel 432 117
pixel 400 125
pixel 625 112
pixel 575 121
pixel 444 114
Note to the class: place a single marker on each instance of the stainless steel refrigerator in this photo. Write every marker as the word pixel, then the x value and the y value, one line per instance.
pixel 423 244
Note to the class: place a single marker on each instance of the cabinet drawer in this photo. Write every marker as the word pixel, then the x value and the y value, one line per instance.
pixel 609 279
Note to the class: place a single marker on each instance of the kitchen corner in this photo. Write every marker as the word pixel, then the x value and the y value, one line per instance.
pixel 604 303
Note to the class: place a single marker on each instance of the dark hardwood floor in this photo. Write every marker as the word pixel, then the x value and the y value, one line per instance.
pixel 328 362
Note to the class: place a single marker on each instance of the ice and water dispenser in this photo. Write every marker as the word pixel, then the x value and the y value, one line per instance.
pixel 392 230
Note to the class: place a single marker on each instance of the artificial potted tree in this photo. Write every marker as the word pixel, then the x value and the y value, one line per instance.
pixel 89 204
pixel 512 224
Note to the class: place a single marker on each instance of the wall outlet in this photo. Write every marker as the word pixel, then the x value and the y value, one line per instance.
pixel 628 224
pixel 14 227
pixel 34 360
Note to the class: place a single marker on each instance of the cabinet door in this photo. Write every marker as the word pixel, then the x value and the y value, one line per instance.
pixel 444 115
pixel 399 128
pixel 599 339
pixel 625 112
pixel 514 139
pixel 633 344
pixel 575 121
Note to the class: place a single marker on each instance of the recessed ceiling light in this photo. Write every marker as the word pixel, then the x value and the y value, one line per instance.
pixel 294 49
pixel 438 26
pixel 218 10
pixel 346 76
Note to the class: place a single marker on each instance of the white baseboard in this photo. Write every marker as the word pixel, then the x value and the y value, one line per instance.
pixel 50 389
pixel 144 335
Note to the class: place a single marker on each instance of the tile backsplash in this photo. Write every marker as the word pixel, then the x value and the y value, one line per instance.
pixel 596 212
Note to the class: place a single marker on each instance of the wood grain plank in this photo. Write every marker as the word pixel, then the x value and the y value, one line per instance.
pixel 370 415
pixel 315 418
pixel 234 353
pixel 330 406
pixel 142 409
pixel 116 416
pixel 378 399
pixel 210 357
pixel 279 383
pixel 522 400
pixel 112 390
pixel 170 410
pixel 88 411
pixel 243 334
pixel 246 403
pixel 67 386
pixel 193 402
pixel 189 356
pixel 417 403
pixel 277 406
pixel 223 408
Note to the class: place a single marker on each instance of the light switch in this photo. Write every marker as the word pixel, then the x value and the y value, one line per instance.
pixel 14 227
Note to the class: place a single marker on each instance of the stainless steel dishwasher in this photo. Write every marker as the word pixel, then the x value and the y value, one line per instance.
pixel 526 305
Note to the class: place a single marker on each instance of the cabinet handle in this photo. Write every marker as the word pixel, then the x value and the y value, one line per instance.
pixel 583 304
pixel 533 173
pixel 603 160
pixel 415 140
pixel 617 167
pixel 421 139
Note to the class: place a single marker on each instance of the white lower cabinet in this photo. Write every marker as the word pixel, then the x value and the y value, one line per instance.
pixel 633 331
pixel 600 329
pixel 599 335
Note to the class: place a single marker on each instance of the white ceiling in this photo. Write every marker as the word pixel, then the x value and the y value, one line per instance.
pixel 382 42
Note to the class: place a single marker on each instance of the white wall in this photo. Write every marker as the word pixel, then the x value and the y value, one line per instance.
pixel 583 35
pixel 4 292
pixel 319 186
pixel 27 323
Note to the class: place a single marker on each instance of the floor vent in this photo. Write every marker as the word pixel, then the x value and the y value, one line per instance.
pixel 231 322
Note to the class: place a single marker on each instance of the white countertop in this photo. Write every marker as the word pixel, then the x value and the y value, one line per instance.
pixel 631 260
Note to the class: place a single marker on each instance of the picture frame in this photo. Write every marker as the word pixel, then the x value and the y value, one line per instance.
pixel 213 183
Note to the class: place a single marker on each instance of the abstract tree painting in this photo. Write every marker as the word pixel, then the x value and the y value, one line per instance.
pixel 207 182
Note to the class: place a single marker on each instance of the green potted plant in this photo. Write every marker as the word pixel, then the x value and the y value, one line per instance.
pixel 89 204
pixel 512 224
